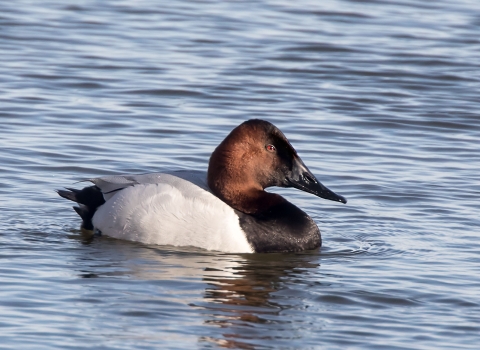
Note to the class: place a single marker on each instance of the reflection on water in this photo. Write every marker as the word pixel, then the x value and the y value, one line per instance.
pixel 241 295
pixel 380 99
pixel 247 300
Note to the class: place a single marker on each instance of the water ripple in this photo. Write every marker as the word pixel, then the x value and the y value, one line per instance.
pixel 379 98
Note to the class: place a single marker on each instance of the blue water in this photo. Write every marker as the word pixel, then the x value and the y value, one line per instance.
pixel 380 99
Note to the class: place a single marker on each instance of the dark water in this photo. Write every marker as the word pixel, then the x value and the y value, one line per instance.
pixel 380 98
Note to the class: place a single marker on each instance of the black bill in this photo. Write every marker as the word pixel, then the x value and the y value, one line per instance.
pixel 303 179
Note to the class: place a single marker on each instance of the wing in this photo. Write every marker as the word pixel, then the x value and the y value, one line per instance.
pixel 109 185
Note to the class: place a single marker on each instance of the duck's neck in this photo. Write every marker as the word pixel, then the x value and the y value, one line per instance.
pixel 251 200
pixel 239 189
pixel 255 202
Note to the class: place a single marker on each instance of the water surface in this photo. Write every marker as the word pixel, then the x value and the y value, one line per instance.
pixel 380 99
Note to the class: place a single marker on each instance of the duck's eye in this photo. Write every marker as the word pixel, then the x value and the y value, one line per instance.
pixel 270 148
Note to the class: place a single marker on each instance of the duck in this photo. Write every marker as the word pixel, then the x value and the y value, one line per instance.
pixel 224 209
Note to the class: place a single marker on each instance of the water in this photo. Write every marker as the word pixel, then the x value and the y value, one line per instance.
pixel 381 100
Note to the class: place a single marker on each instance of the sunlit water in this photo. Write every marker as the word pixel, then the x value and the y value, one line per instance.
pixel 380 98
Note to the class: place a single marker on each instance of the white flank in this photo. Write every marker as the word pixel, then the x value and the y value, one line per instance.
pixel 168 209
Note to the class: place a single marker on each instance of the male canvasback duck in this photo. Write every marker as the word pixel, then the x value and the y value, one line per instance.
pixel 225 209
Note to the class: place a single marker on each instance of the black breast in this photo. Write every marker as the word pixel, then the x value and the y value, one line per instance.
pixel 283 228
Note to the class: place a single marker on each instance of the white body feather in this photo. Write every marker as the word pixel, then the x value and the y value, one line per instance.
pixel 168 209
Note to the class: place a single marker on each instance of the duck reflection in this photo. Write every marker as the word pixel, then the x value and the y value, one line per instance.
pixel 243 295
pixel 242 303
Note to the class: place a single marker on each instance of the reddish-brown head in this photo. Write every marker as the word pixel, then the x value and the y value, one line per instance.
pixel 254 156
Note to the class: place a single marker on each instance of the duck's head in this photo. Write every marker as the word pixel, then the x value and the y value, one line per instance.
pixel 254 156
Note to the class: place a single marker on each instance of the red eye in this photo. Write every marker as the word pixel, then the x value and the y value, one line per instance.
pixel 271 148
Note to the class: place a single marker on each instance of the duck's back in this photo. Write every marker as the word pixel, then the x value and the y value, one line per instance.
pixel 168 209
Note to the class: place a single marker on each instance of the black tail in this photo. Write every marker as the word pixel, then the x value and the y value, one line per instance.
pixel 89 198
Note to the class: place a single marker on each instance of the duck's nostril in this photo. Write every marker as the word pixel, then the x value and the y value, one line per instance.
pixel 308 178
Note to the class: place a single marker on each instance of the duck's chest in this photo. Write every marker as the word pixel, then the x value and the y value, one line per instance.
pixel 285 228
